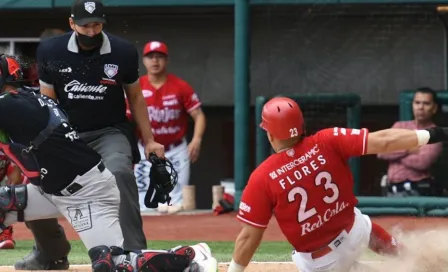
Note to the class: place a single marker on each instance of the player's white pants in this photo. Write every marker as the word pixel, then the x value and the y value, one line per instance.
pixel 92 211
pixel 343 257
pixel 181 162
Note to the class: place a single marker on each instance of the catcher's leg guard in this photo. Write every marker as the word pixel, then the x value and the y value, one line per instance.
pixel 101 258
pixel 13 198
pixel 162 262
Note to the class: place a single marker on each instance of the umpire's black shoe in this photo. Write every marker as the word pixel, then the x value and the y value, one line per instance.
pixel 35 261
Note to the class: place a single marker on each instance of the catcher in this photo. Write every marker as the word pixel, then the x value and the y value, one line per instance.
pixel 67 177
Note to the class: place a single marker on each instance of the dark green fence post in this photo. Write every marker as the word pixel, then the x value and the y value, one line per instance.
pixel 406 98
pixel 354 121
pixel 241 97
pixel 261 140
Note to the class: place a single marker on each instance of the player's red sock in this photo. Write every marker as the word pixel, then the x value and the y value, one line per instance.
pixel 382 242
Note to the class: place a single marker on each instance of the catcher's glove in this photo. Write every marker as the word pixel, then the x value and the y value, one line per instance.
pixel 163 178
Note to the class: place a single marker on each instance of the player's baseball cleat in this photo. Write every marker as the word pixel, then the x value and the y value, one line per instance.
pixel 101 258
pixel 124 267
pixel 157 261
pixel 36 261
pixel 203 257
pixel 6 240
pixel 162 208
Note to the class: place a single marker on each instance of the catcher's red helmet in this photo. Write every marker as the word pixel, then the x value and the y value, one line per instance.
pixel 10 71
pixel 282 118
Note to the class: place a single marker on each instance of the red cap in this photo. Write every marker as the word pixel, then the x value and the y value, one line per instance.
pixel 155 46
pixel 282 118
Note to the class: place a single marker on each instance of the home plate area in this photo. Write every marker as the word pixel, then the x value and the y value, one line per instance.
pixel 426 240
pixel 253 267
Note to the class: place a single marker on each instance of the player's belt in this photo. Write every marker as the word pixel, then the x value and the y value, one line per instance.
pixel 326 249
pixel 75 187
pixel 173 145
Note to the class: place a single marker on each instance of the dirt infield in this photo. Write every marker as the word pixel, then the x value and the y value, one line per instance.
pixel 207 227
pixel 226 227
pixel 265 267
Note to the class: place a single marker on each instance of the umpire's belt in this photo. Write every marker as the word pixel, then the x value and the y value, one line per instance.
pixel 75 187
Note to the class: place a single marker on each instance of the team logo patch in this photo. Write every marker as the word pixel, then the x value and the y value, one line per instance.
pixel 154 45
pixel 290 152
pixel 110 70
pixel 90 7
pixel 80 217
pixel 147 93
pixel 194 97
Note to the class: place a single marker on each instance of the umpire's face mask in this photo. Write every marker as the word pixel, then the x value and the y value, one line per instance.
pixel 90 41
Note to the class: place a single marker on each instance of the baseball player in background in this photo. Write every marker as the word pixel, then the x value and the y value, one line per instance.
pixel 308 186
pixel 170 101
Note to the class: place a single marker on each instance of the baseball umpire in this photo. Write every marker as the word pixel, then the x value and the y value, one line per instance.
pixel 68 177
pixel 86 71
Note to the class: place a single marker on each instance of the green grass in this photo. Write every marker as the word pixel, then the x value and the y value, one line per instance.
pixel 268 251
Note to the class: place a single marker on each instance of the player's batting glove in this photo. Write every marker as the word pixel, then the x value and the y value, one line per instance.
pixel 163 179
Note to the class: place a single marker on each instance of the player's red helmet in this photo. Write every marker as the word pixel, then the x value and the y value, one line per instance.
pixel 10 72
pixel 282 118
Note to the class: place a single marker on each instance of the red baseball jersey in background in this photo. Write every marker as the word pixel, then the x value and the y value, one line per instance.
pixel 308 188
pixel 169 108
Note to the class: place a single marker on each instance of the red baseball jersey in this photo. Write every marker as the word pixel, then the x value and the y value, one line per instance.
pixel 309 188
pixel 169 108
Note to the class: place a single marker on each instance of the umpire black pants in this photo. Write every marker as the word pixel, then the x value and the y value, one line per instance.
pixel 115 150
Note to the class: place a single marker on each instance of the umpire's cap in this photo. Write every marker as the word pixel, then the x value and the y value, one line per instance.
pixel 88 11
pixel 155 46
pixel 282 117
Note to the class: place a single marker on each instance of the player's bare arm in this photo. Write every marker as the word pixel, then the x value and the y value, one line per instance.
pixel 200 123
pixel 395 139
pixel 47 89
pixel 139 112
pixel 246 244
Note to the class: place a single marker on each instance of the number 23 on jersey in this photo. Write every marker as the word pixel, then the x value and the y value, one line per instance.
pixel 332 195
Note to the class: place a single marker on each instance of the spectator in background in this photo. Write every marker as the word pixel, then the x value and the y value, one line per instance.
pixel 409 170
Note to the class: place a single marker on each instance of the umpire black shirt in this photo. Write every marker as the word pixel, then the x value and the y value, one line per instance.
pixel 62 156
pixel 89 84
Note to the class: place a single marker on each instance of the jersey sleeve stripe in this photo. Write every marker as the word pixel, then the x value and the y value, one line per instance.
pixel 364 141
pixel 194 107
pixel 45 84
pixel 251 223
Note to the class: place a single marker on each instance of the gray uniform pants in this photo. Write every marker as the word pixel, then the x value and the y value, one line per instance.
pixel 115 150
